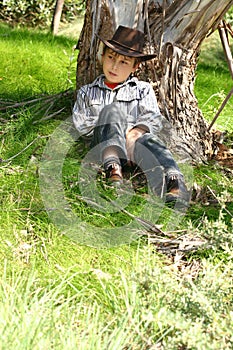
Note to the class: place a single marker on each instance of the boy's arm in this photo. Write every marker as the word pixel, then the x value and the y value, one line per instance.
pixel 150 117
pixel 148 120
pixel 83 118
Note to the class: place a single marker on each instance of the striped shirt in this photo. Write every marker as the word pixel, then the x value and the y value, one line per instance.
pixel 135 98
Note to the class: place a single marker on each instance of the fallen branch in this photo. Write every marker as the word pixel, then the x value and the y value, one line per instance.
pixel 166 242
pixel 218 201
pixel 222 29
pixel 145 223
pixel 45 99
pixel 24 149
pixel 220 109
pixel 49 116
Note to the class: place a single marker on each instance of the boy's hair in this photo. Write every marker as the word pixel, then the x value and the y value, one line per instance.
pixel 136 59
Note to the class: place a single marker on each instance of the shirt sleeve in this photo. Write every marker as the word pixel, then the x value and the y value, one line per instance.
pixel 84 115
pixel 149 117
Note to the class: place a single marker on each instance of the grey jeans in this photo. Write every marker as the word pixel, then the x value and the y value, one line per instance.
pixel 150 154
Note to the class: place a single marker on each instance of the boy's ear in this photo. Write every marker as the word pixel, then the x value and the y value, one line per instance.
pixel 136 66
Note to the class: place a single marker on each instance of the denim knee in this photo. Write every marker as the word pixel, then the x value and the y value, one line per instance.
pixel 111 114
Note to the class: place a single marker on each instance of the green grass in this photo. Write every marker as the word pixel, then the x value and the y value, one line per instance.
pixel 56 293
pixel 30 60
pixel 213 83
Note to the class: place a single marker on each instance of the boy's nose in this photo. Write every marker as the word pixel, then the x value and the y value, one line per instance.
pixel 114 65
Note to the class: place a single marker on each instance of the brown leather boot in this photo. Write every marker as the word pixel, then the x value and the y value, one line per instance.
pixel 114 173
pixel 177 190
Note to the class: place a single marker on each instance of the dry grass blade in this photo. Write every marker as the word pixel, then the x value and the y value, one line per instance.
pixel 179 243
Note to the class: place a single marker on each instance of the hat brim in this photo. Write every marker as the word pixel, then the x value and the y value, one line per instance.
pixel 123 50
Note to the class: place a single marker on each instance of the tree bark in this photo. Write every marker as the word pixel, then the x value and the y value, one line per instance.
pixel 57 16
pixel 174 30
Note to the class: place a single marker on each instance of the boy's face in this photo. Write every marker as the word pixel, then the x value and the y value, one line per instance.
pixel 116 67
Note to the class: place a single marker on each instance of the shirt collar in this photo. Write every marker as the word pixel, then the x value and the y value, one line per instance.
pixel 99 81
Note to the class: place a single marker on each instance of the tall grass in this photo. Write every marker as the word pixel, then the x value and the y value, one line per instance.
pixel 58 294
pixel 153 306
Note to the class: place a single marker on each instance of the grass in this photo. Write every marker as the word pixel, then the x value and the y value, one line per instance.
pixel 56 293
pixel 214 82
pixel 33 63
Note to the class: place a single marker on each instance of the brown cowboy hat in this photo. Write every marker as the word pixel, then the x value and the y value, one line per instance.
pixel 128 42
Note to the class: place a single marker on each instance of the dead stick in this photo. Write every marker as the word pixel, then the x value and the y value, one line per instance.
pixel 49 116
pixel 220 109
pixel 44 98
pixel 226 210
pixel 24 103
pixel 145 223
pixel 24 149
pixel 226 47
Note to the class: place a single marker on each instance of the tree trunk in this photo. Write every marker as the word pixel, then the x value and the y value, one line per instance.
pixel 57 16
pixel 174 30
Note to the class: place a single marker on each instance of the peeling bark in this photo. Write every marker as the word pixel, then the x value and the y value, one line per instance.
pixel 174 31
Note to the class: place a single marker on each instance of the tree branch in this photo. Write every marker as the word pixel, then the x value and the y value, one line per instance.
pixel 220 109
pixel 45 99
pixel 222 29
pixel 24 149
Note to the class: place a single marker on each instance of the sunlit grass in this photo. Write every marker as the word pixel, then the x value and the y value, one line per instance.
pixel 56 293
pixel 34 63
pixel 213 83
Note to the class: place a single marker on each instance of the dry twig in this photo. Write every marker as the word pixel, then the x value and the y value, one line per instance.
pixel 44 99
pixel 166 242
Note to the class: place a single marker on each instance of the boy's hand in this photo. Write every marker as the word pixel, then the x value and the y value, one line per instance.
pixel 131 137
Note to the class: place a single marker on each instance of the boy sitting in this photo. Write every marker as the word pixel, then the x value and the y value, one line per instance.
pixel 121 116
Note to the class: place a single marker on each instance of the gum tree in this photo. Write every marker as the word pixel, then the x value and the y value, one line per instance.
pixel 175 30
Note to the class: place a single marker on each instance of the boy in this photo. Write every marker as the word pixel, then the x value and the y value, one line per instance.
pixel 121 115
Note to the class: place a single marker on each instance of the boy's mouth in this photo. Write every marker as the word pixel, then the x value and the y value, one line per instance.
pixel 112 74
